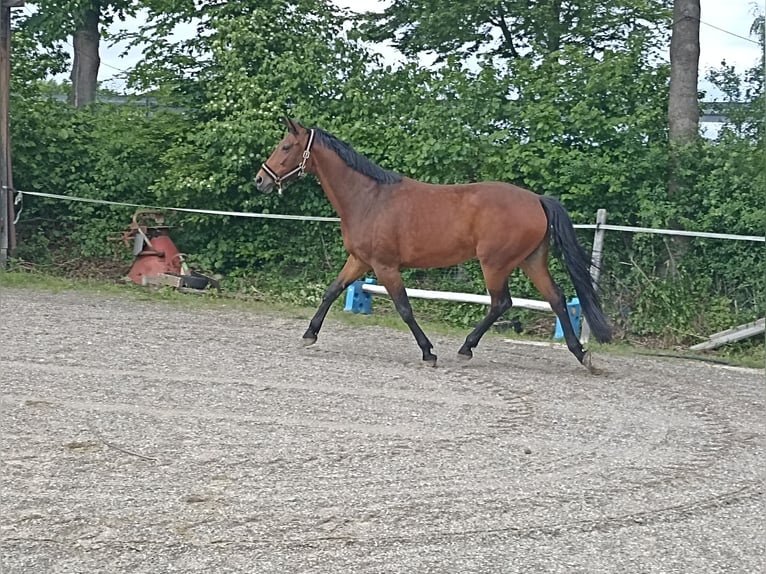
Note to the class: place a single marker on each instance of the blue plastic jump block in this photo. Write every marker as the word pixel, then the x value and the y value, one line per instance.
pixel 357 301
pixel 575 317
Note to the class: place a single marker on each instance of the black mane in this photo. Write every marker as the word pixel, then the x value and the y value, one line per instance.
pixel 354 159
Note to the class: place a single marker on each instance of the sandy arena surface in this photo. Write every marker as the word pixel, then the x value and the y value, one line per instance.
pixel 150 437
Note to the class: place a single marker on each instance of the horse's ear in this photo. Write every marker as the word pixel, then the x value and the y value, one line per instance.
pixel 292 126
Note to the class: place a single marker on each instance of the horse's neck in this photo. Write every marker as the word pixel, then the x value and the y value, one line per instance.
pixel 343 186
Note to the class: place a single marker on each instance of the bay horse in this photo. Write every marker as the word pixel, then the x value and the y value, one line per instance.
pixel 390 222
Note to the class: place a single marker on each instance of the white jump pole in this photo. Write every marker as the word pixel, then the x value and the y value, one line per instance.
pixel 457 297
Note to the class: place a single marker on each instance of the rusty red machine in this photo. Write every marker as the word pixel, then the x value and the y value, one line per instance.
pixel 157 260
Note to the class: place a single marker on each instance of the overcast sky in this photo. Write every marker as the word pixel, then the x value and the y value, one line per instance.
pixel 718 17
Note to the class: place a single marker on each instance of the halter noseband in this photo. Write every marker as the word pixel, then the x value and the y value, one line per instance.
pixel 300 170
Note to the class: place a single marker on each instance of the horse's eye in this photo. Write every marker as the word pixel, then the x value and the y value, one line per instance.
pixel 286 147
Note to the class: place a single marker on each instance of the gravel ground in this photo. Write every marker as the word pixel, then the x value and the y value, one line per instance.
pixel 150 437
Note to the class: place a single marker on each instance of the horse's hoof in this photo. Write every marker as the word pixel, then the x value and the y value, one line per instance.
pixel 308 341
pixel 429 361
pixel 465 354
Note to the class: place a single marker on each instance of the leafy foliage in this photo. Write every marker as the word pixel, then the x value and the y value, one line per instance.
pixel 512 29
pixel 57 19
pixel 103 153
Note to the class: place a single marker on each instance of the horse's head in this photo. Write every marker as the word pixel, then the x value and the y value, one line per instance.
pixel 288 161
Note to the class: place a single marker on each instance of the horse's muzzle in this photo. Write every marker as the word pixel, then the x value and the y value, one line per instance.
pixel 264 184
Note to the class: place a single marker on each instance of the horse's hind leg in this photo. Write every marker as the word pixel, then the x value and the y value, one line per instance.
pixel 353 269
pixel 392 280
pixel 500 302
pixel 536 268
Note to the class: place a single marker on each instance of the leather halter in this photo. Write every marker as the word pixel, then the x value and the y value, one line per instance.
pixel 297 172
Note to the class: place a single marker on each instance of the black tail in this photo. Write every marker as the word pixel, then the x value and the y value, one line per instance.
pixel 578 265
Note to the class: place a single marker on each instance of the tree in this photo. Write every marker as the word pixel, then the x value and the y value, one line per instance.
pixel 33 60
pixel 84 21
pixel 743 97
pixel 510 29
pixel 683 109
pixel 683 100
pixel 86 59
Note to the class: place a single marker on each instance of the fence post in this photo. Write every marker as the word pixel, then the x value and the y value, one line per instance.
pixel 7 226
pixel 5 44
pixel 595 267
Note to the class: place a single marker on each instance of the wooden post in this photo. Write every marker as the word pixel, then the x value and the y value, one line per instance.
pixel 7 230
pixel 595 268
pixel 5 215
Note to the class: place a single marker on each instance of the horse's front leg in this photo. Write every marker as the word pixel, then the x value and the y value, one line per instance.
pixel 392 280
pixel 353 269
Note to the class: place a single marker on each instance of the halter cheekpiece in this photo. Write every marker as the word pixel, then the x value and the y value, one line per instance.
pixel 296 173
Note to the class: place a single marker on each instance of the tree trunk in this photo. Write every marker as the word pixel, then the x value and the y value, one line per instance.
pixel 683 110
pixel 683 106
pixel 86 58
